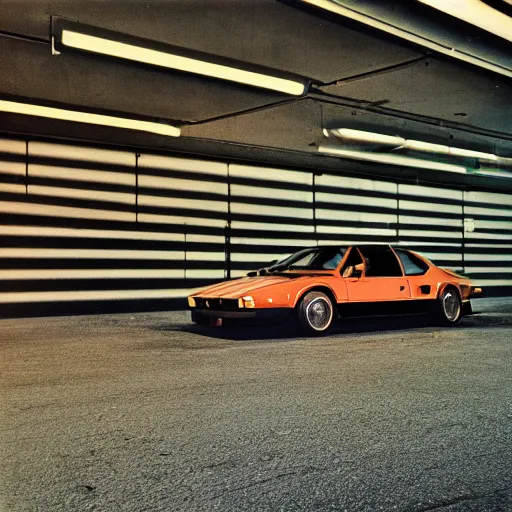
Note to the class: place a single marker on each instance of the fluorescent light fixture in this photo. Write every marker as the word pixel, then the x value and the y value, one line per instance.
pixel 427 147
pixel 368 137
pixel 88 118
pixel 90 39
pixel 504 161
pixel 336 8
pixel 391 159
pixel 397 142
pixel 476 13
pixel 418 145
pixel 468 153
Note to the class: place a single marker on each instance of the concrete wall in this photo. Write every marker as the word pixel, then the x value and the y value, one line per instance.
pixel 87 229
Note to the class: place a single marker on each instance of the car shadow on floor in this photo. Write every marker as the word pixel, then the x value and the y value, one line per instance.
pixel 242 331
pixel 245 330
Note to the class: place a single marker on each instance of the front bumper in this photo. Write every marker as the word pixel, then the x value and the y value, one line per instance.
pixel 467 308
pixel 263 314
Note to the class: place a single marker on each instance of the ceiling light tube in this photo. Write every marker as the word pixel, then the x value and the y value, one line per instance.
pixel 397 142
pixel 476 13
pixel 427 147
pixel 60 114
pixel 368 137
pixel 502 161
pixel 391 159
pixel 75 36
pixel 468 153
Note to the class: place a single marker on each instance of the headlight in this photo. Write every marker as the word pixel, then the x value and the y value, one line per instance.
pixel 191 302
pixel 248 302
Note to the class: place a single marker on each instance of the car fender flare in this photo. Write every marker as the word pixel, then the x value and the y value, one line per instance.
pixel 316 287
pixel 441 286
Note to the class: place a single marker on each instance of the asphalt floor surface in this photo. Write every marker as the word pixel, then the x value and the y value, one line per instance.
pixel 148 412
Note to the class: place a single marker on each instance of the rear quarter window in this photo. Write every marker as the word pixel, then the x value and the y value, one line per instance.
pixel 413 266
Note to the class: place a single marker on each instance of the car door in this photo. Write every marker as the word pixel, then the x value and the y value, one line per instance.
pixel 382 278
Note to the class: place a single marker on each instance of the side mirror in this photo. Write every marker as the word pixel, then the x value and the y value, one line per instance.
pixel 252 274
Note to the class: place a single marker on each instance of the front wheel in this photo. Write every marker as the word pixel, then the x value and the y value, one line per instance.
pixel 448 307
pixel 316 313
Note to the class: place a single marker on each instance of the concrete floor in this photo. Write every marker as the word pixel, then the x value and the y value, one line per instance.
pixel 145 412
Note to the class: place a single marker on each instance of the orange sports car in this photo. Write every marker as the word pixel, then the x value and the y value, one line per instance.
pixel 319 284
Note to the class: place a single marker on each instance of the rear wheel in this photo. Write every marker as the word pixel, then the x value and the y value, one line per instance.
pixel 448 308
pixel 316 313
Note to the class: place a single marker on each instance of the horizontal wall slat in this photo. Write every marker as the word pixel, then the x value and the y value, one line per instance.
pixel 64 152
pixel 87 253
pixel 31 208
pixel 94 295
pixel 88 273
pixel 72 233
pixel 209 261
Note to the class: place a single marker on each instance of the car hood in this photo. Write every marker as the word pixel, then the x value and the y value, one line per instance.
pixel 245 286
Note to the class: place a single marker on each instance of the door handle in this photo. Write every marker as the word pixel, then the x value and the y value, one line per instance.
pixel 402 288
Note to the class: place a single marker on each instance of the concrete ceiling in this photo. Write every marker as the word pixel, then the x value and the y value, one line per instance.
pixel 437 89
pixel 361 78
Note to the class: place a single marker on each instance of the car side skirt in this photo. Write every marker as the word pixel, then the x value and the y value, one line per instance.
pixel 398 307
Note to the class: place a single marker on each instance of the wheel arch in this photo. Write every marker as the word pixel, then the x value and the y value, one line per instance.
pixel 316 288
pixel 442 287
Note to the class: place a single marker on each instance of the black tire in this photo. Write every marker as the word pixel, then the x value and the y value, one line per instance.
pixel 316 314
pixel 448 307
pixel 199 318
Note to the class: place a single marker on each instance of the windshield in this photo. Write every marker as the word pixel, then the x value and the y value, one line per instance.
pixel 316 258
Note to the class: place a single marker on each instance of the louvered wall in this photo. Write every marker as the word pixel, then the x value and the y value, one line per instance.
pixel 87 229
pixel 272 215
pixel 488 249
pixel 430 222
pixel 355 210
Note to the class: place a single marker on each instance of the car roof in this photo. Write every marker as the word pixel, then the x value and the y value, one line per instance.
pixel 372 246
pixel 381 247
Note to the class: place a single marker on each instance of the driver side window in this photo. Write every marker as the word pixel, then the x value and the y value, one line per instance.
pixel 381 262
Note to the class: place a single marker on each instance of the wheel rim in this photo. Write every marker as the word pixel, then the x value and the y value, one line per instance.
pixel 451 306
pixel 319 314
